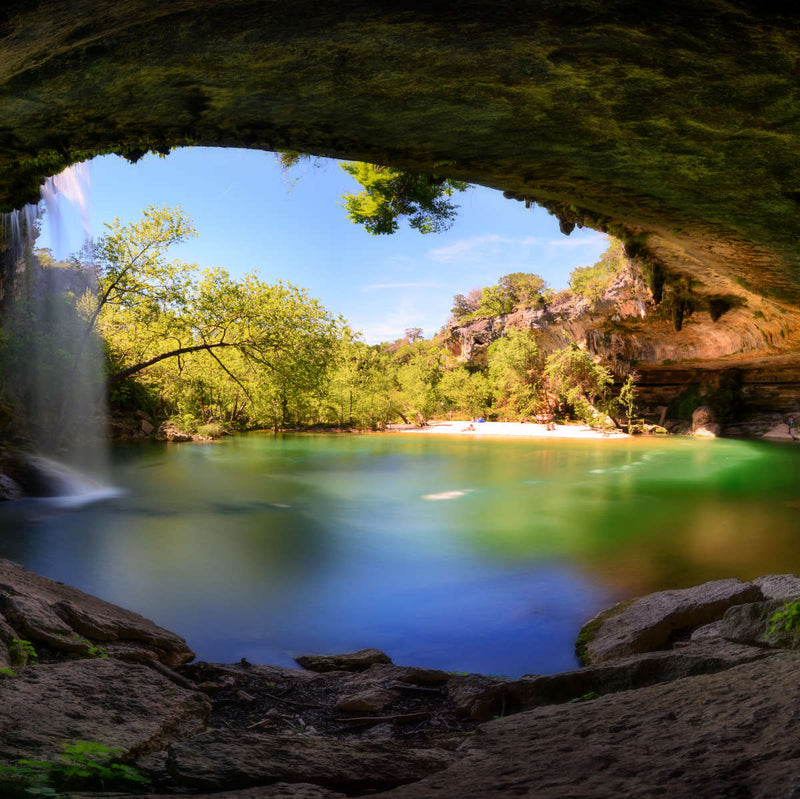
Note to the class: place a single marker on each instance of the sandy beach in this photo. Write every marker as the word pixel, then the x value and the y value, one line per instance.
pixel 507 429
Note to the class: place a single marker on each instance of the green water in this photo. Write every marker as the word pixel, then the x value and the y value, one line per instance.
pixel 457 554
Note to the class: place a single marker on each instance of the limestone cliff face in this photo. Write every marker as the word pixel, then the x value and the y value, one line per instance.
pixel 627 329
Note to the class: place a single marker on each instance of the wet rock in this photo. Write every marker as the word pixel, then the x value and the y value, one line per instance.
pixel 354 661
pixel 10 489
pixel 702 416
pixel 653 621
pixel 64 618
pixel 146 427
pixel 752 624
pixel 114 703
pixel 731 734
pixel 779 586
pixel 371 700
pixel 412 675
pixel 167 432
pixel 704 423
pixel 224 759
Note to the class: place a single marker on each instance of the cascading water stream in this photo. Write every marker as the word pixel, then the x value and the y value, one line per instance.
pixel 52 367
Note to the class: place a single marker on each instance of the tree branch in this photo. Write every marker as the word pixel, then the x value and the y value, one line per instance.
pixel 132 370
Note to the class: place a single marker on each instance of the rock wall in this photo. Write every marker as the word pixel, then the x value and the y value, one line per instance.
pixel 742 361
pixel 672 126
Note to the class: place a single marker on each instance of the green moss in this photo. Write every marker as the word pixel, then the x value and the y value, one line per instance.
pixel 589 630
pixel 676 131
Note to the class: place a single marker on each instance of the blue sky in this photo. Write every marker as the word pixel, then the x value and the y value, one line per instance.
pixel 250 216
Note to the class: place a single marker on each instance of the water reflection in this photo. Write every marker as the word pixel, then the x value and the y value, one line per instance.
pixel 484 555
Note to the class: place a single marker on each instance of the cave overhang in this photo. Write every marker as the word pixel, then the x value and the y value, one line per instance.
pixel 675 127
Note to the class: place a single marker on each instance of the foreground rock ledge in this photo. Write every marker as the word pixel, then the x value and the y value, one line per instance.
pixel 689 694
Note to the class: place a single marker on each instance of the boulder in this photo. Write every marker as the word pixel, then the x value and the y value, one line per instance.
pixel 118 704
pixel 482 699
pixel 702 416
pixel 37 621
pixel 353 661
pixel 477 696
pixel 166 432
pixel 66 619
pixel 654 621
pixel 731 734
pixel 779 586
pixel 704 423
pixel 10 489
pixel 708 632
pixel 226 759
pixel 780 432
pixel 752 624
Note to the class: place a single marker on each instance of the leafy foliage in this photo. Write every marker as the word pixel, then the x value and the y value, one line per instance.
pixel 214 349
pixel 515 371
pixel 578 382
pixel 591 282
pixel 22 652
pixel 82 765
pixel 389 194
pixel 787 619
pixel 512 292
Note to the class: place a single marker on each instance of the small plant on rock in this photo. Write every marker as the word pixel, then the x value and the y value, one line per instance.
pixel 83 765
pixel 23 652
pixel 786 620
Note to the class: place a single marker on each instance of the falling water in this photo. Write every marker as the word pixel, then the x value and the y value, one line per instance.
pixel 53 401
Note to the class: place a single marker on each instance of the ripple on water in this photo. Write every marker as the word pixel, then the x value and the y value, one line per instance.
pixel 446 495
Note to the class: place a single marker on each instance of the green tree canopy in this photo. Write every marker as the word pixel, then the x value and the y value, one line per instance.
pixel 576 380
pixel 591 282
pixel 389 194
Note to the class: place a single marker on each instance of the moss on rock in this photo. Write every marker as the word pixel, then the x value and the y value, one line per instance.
pixel 672 126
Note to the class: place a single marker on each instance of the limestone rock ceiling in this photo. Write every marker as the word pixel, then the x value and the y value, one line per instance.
pixel 676 125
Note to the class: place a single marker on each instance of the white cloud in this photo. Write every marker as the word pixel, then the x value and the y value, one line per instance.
pixel 475 245
pixel 590 239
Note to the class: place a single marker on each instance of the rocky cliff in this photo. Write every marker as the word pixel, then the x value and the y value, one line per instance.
pixel 735 351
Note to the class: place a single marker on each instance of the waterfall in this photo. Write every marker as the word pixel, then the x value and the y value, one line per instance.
pixel 52 401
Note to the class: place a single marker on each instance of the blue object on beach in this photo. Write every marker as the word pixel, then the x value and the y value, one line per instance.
pixel 481 420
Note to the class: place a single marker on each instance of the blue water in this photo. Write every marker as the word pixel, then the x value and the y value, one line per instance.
pixel 461 555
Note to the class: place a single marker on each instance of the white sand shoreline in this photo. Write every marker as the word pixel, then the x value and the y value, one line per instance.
pixel 507 429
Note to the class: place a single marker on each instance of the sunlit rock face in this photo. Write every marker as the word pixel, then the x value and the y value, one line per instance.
pixel 675 126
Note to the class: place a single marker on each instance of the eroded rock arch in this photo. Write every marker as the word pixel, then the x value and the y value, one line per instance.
pixel 676 126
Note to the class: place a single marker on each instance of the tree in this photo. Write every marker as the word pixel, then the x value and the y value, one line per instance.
pixel 213 345
pixel 465 306
pixel 577 381
pixel 495 301
pixel 515 372
pixel 592 282
pixel 524 289
pixel 627 397
pixel 465 392
pixel 389 194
